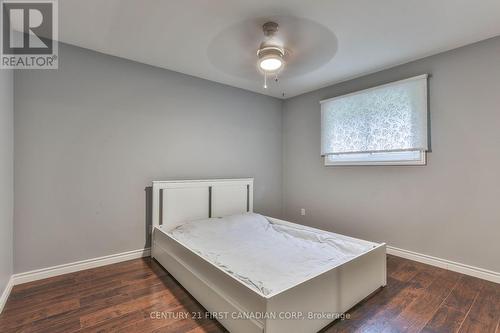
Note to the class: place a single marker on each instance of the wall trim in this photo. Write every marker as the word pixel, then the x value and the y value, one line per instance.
pixel 446 264
pixel 6 293
pixel 48 272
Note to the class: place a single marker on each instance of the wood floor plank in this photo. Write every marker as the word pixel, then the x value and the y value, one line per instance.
pixel 77 284
pixel 25 318
pixel 464 293
pixel 126 292
pixel 123 297
pixel 405 272
pixel 484 314
pixel 417 314
pixel 127 307
pixel 451 314
pixel 414 290
pixel 446 319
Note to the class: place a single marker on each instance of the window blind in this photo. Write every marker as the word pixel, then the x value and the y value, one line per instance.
pixel 387 118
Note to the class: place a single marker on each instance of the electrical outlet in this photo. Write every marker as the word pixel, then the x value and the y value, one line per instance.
pixel 303 211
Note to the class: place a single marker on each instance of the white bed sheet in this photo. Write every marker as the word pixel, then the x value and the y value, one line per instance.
pixel 268 257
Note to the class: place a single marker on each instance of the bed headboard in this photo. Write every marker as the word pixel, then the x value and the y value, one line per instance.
pixel 180 201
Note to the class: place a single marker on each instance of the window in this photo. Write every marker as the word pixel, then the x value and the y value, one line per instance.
pixel 385 125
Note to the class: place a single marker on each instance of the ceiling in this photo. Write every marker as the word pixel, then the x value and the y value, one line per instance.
pixel 337 39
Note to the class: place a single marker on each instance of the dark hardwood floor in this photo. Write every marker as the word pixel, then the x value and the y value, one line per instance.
pixel 139 296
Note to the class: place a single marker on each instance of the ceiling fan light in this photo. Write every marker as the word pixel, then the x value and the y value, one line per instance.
pixel 270 64
pixel 270 58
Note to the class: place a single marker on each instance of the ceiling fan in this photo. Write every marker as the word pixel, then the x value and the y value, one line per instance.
pixel 271 53
pixel 258 48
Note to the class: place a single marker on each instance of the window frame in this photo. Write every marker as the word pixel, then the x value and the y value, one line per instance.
pixel 422 161
pixel 398 160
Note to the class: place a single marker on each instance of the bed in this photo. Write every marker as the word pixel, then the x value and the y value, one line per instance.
pixel 255 273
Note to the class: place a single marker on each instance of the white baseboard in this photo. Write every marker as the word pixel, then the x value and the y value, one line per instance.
pixel 6 293
pixel 78 266
pixel 446 264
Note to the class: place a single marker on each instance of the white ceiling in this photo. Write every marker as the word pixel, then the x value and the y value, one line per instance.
pixel 370 34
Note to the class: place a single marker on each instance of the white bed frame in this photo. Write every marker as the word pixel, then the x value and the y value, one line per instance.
pixel 235 305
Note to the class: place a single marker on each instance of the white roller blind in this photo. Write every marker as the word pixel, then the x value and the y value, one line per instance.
pixel 392 117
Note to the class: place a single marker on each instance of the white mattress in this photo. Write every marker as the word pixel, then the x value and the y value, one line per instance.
pixel 268 257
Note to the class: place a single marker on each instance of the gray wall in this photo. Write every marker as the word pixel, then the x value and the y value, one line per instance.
pixel 449 208
pixel 6 175
pixel 92 135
